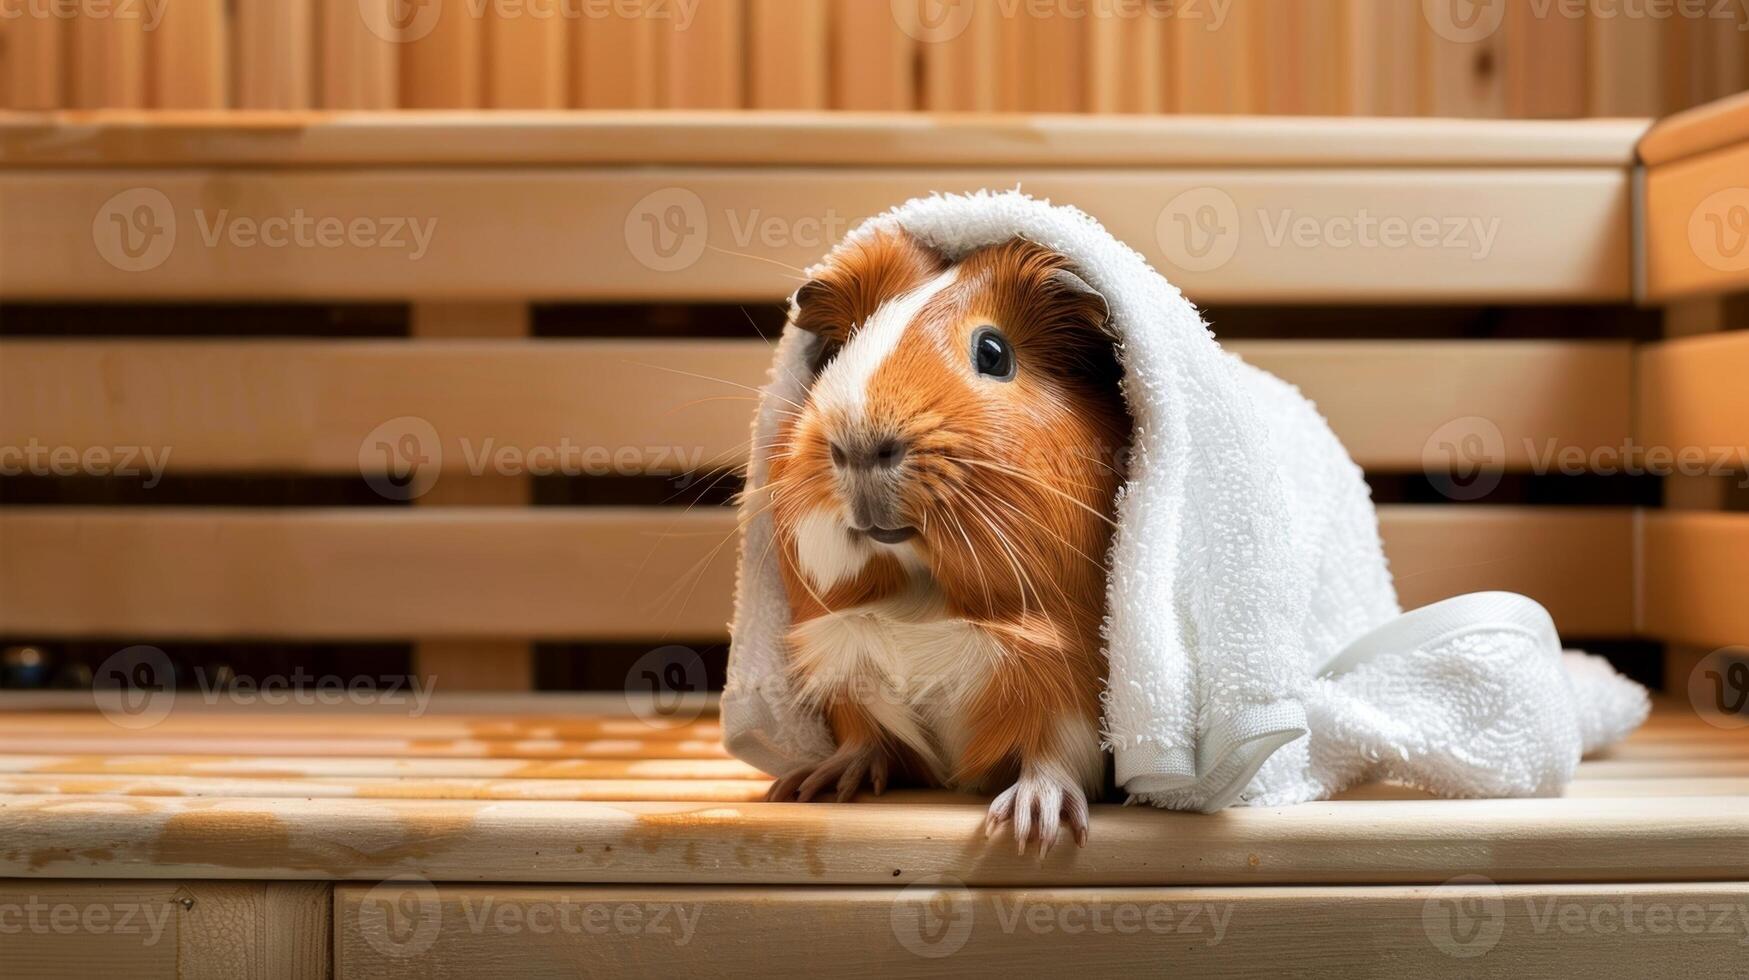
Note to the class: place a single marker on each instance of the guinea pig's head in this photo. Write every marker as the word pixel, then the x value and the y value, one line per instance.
pixel 964 417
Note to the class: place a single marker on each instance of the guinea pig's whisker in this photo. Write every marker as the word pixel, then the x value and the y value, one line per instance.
pixel 1034 481
pixel 723 381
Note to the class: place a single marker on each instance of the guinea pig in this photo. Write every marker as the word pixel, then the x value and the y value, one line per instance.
pixel 943 504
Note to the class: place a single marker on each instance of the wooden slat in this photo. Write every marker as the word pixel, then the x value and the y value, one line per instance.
pixel 189 56
pixel 1465 67
pixel 1299 51
pixel 107 60
pixel 272 53
pixel 442 58
pixel 34 63
pixel 1624 63
pixel 675 407
pixel 619 63
pixel 1521 235
pixel 787 46
pixel 360 67
pixel 148 742
pixel 1546 68
pixel 1127 46
pixel 834 139
pixel 249 718
pixel 1381 55
pixel 398 767
pixel 1509 841
pixel 1691 397
pixel 606 573
pixel 1694 565
pixel 704 57
pixel 188 929
pixel 950 929
pixel 1696 237
pixel 1214 61
pixel 961 56
pixel 527 57
pixel 1709 127
pixel 871 60
pixel 386 788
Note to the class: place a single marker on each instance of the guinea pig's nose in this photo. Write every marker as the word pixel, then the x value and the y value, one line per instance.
pixel 875 454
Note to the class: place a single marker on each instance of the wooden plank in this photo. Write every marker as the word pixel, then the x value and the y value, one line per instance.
pixel 1381 55
pixel 1693 566
pixel 1214 61
pixel 428 768
pixel 442 57
pixel 360 66
pixel 1397 841
pixel 527 57
pixel 859 141
pixel 390 788
pixel 1127 46
pixel 607 573
pixel 947 927
pixel 272 54
pixel 961 52
pixel 149 742
pixel 673 407
pixel 1546 71
pixel 35 76
pixel 787 46
pixel 1482 235
pixel 1713 126
pixel 1299 51
pixel 1691 398
pixel 188 929
pixel 1696 237
pixel 189 55
pixel 619 63
pixel 1464 74
pixel 1625 60
pixel 246 718
pixel 704 57
pixel 107 60
pixel 872 62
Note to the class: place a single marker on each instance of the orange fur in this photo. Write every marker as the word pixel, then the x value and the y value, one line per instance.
pixel 1011 485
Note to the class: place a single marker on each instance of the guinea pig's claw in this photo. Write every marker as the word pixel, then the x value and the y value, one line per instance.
pixel 1038 805
pixel 845 771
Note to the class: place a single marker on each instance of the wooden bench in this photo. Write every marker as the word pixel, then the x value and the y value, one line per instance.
pixel 366 841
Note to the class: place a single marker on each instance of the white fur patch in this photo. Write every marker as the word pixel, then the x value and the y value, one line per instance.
pixel 912 668
pixel 826 551
pixel 843 386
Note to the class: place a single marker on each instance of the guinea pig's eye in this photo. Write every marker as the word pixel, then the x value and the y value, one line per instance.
pixel 823 355
pixel 992 357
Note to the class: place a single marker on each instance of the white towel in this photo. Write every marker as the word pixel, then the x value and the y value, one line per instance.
pixel 1246 563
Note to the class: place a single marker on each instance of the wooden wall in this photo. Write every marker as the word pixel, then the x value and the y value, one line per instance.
pixel 1522 58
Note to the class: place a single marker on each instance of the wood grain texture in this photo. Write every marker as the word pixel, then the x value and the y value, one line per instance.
pixel 1712 126
pixel 831 139
pixel 703 58
pixel 1691 397
pixel 442 60
pixel 788 43
pixel 225 930
pixel 619 62
pixel 272 54
pixel 1485 235
pixel 672 407
pixel 34 63
pixel 1401 841
pixel 1381 57
pixel 1625 67
pixel 106 58
pixel 871 62
pixel 606 573
pixel 946 927
pixel 1547 64
pixel 961 57
pixel 1696 217
pixel 1694 565
pixel 527 58
pixel 189 56
pixel 360 68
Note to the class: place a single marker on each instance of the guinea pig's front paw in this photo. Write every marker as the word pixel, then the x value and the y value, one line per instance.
pixel 849 768
pixel 1038 804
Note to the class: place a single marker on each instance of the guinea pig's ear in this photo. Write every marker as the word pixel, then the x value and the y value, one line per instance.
pixel 1087 301
pixel 810 301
